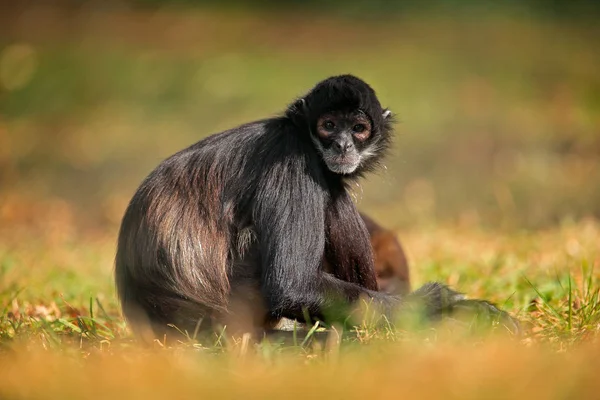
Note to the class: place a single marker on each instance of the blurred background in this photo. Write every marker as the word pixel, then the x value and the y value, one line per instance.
pixel 498 103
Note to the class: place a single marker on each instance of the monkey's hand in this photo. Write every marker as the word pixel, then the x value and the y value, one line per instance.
pixel 438 300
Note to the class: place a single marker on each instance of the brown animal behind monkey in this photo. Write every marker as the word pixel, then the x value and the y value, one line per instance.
pixel 390 263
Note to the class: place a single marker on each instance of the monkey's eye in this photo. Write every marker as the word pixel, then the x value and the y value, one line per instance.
pixel 358 128
pixel 328 125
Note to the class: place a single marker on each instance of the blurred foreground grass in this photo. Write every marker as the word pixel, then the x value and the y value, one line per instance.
pixel 493 187
pixel 492 370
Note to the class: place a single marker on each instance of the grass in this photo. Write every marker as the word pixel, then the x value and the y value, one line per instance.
pixel 553 288
pixel 492 187
pixel 514 373
pixel 61 331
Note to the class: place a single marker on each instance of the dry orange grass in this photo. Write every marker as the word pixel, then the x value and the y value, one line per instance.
pixel 49 349
pixel 497 370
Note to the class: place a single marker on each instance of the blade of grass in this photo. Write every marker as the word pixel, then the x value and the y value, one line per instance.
pixel 310 333
pixel 570 318
pixel 544 300
pixel 104 313
pixel 70 325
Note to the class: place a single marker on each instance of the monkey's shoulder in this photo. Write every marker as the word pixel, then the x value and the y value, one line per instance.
pixel 253 148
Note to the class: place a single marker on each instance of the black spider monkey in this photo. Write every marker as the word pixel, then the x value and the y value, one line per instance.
pixel 256 223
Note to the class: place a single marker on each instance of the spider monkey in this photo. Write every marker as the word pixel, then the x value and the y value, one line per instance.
pixel 238 226
pixel 390 263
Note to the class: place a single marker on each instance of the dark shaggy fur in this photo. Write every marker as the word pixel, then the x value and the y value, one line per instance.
pixel 238 226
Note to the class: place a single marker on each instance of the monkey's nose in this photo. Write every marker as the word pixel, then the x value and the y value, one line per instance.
pixel 343 146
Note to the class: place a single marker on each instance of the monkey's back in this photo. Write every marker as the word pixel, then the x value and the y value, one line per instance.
pixel 173 247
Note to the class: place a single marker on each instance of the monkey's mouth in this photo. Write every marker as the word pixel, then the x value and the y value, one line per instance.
pixel 341 164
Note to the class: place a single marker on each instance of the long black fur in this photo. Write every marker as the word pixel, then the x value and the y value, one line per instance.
pixel 240 224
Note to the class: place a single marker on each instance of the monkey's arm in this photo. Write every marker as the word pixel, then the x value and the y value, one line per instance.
pixel 289 221
pixel 348 251
pixel 348 248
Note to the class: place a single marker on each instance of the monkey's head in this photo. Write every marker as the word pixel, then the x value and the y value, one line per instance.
pixel 347 124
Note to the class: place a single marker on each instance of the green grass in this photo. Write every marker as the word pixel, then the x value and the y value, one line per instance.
pixel 61 330
pixel 552 289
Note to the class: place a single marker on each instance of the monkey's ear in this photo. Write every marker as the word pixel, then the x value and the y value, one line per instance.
pixel 304 107
pixel 299 107
pixel 386 113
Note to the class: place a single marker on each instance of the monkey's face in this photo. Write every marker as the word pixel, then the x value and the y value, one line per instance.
pixel 348 126
pixel 343 139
